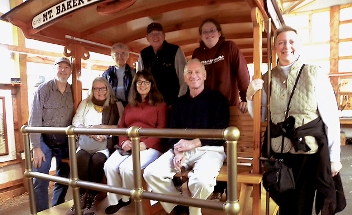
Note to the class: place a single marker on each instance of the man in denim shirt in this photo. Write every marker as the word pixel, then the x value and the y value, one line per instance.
pixel 52 107
pixel 121 74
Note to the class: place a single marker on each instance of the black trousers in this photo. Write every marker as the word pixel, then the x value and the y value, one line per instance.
pixel 300 201
pixel 90 167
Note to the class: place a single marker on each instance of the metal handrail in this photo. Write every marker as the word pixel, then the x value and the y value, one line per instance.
pixel 230 135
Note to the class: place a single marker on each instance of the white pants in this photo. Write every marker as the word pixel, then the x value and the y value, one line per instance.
pixel 119 171
pixel 205 161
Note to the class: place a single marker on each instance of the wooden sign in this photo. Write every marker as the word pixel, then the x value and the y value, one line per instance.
pixel 60 10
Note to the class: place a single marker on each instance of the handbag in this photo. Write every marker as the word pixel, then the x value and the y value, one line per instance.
pixel 91 145
pixel 278 178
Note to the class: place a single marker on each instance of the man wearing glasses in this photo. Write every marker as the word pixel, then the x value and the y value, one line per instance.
pixel 121 74
pixel 165 61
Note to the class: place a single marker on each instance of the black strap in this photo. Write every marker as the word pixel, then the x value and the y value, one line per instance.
pixel 289 102
pixel 293 90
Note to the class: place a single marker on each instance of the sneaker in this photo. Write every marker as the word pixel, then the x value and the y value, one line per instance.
pixel 90 203
pixel 114 208
pixel 216 196
pixel 82 199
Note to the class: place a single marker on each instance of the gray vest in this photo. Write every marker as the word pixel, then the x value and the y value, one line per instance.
pixel 303 107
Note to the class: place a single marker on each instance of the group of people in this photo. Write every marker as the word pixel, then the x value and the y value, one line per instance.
pixel 169 92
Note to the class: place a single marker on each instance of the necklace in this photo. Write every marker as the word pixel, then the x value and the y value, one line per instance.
pixel 98 108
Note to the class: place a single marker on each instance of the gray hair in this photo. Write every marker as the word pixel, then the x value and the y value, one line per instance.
pixel 119 46
pixel 194 60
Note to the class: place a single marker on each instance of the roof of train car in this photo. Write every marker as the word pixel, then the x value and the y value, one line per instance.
pixel 98 24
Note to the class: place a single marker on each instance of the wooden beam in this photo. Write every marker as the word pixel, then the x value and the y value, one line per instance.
pixel 151 10
pixel 11 184
pixel 21 99
pixel 24 50
pixel 194 23
pixel 334 38
pixel 258 28
pixel 77 53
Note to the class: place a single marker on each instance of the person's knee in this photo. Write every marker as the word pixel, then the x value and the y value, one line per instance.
pixel 126 170
pixel 148 174
pixel 99 159
pixel 110 167
pixel 202 183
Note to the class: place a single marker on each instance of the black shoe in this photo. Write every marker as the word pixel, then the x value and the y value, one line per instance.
pixel 114 208
pixel 180 210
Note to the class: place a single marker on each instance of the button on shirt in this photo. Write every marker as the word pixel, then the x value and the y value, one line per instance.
pixel 50 108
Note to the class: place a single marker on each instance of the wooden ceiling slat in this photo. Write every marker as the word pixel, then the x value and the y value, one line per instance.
pixel 152 11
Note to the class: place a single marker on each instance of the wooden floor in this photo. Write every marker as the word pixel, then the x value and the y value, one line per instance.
pixel 102 204
pixel 20 204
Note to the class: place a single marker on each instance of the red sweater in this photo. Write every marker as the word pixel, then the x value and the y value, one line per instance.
pixel 226 68
pixel 145 116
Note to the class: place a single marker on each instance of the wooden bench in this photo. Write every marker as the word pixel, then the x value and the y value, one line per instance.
pixel 249 183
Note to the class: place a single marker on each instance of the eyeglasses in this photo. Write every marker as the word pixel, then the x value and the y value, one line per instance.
pixel 143 82
pixel 211 31
pixel 98 89
pixel 123 54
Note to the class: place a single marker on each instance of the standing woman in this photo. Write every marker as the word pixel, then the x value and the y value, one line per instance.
pixel 145 109
pixel 99 108
pixel 226 67
pixel 312 148
pixel 227 72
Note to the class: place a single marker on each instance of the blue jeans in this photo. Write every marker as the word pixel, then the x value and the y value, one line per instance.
pixel 41 186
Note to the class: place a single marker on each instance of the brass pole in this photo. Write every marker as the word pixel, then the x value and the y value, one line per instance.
pixel 232 205
pixel 137 191
pixel 28 163
pixel 73 168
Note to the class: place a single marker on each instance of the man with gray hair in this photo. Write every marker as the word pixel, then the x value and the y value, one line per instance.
pixel 121 74
pixel 52 107
pixel 199 108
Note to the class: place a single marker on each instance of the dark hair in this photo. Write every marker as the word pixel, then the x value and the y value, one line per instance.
pixel 154 96
pixel 283 29
pixel 211 20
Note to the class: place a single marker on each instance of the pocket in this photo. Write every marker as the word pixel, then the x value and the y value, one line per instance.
pixel 49 113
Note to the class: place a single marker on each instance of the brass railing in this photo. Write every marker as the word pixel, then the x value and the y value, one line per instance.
pixel 230 134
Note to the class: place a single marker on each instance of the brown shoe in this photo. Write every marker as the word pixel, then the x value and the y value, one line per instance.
pixel 215 197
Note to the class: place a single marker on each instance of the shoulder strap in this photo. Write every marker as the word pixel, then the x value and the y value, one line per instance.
pixel 289 102
pixel 293 90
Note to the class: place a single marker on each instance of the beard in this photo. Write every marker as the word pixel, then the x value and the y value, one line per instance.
pixel 62 80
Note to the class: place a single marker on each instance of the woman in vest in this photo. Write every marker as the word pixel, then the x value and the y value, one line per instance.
pixel 312 147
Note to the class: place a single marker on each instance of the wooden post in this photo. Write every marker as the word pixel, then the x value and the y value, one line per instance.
pixel 334 45
pixel 258 28
pixel 77 53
